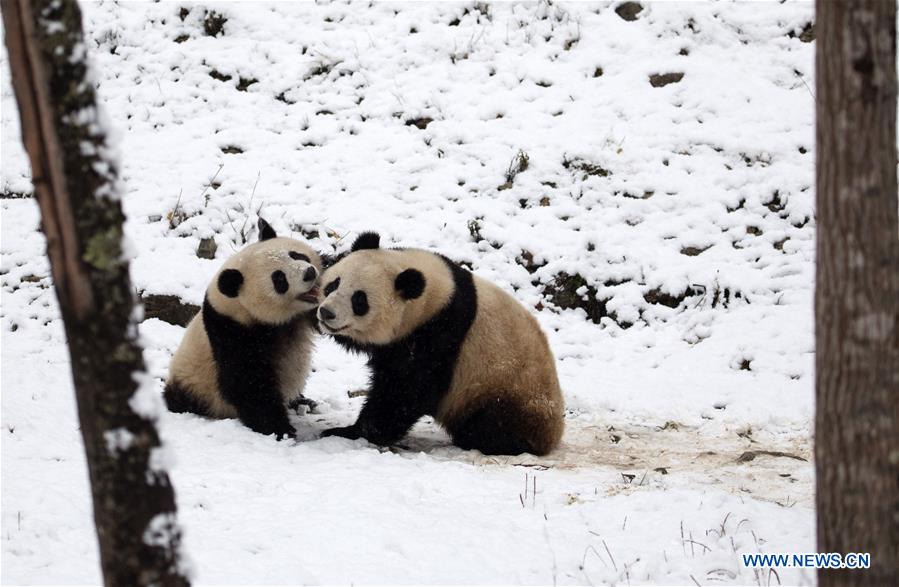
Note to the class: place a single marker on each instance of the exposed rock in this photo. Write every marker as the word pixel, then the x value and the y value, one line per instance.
pixel 586 167
pixel 806 35
pixel 526 260
pixel 168 308
pixel 216 74
pixel 657 296
pixel 694 251
pixel 659 80
pixel 245 82
pixel 207 248
pixel 11 195
pixel 562 292
pixel 775 204
pixel 214 24
pixel 629 10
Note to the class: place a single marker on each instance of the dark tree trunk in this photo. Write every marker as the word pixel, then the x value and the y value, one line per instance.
pixel 76 185
pixel 857 295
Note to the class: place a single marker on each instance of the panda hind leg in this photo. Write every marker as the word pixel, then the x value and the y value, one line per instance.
pixel 179 400
pixel 498 427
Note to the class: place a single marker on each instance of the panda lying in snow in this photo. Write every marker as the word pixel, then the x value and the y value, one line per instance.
pixel 445 343
pixel 247 353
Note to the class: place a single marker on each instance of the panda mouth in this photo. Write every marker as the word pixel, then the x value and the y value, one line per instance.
pixel 333 330
pixel 310 296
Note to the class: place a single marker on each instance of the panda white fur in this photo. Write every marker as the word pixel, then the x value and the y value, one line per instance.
pixel 247 353
pixel 445 343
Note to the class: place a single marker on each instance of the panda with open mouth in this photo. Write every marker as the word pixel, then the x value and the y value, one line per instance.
pixel 247 353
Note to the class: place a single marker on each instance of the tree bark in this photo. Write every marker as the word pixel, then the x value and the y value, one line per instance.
pixel 857 294
pixel 76 185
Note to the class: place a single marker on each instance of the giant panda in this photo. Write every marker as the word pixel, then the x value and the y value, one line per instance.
pixel 441 342
pixel 247 353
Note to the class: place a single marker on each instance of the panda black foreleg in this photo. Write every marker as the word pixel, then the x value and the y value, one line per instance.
pixel 385 418
pixel 266 419
pixel 247 361
pixel 259 407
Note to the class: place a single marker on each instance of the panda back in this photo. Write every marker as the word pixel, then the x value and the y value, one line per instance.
pixel 505 353
pixel 193 368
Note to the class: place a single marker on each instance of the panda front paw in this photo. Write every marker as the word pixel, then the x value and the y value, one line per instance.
pixel 284 435
pixel 351 432
pixel 281 432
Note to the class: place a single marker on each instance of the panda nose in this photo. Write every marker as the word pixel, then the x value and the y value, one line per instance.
pixel 326 314
pixel 310 274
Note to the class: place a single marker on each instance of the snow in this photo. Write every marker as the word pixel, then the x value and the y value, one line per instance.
pixel 701 189
pixel 118 440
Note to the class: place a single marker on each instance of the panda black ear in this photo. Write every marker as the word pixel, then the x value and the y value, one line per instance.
pixel 366 240
pixel 410 283
pixel 230 281
pixel 265 230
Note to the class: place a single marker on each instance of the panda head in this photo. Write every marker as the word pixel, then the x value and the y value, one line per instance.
pixel 271 281
pixel 374 296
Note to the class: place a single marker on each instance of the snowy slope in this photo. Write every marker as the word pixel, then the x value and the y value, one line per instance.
pixel 675 223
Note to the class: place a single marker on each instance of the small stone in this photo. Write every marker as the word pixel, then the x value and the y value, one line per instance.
pixel 420 123
pixel 168 308
pixel 694 251
pixel 808 33
pixel 658 80
pixel 207 248
pixel 217 75
pixel 565 291
pixel 657 296
pixel 629 10
pixel 245 82
pixel 214 24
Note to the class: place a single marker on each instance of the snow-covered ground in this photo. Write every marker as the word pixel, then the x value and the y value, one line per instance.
pixel 406 118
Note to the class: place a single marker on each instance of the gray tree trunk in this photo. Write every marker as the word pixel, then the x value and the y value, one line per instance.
pixel 857 295
pixel 75 183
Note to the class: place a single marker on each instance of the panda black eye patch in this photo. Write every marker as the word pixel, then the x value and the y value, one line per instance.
pixel 298 256
pixel 279 280
pixel 329 289
pixel 360 303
